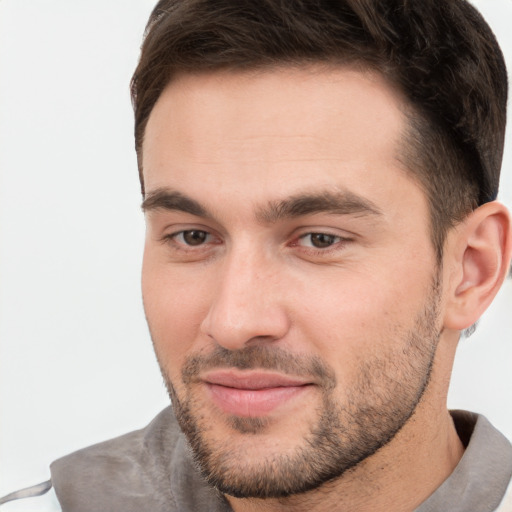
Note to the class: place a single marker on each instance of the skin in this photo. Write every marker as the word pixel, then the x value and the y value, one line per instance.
pixel 237 145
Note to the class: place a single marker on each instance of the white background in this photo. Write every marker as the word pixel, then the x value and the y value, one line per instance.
pixel 76 364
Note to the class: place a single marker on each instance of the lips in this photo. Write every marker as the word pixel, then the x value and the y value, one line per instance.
pixel 252 394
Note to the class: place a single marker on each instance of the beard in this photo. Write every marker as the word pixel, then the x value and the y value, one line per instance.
pixel 344 431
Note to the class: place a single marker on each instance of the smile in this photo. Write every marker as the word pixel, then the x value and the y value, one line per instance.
pixel 252 394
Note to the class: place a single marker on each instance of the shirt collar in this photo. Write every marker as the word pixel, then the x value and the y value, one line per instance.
pixel 483 474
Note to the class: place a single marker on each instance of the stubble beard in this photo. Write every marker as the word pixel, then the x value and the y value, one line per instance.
pixel 375 408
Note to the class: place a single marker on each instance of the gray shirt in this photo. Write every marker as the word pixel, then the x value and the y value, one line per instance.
pixel 152 469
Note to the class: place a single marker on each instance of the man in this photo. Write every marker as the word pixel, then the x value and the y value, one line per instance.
pixel 319 184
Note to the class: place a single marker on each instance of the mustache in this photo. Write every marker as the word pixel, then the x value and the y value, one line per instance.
pixel 261 357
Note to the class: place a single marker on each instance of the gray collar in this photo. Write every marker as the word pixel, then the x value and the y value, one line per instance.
pixel 152 469
pixel 482 476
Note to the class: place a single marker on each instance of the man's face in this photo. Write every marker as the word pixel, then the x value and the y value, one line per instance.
pixel 289 281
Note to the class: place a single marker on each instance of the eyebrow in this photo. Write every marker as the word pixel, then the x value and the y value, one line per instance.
pixel 336 203
pixel 165 199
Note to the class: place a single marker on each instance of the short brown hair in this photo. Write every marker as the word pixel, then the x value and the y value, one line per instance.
pixel 441 54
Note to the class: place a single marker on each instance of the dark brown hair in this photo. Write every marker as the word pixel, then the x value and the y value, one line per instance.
pixel 440 54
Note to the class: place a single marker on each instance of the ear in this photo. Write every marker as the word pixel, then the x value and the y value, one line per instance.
pixel 477 258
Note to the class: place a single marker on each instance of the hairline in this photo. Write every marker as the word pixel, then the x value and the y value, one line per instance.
pixel 407 155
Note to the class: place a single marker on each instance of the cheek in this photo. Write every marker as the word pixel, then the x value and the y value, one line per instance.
pixel 351 319
pixel 175 305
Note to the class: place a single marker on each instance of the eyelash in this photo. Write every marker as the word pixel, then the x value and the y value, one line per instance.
pixel 334 240
pixel 338 242
pixel 182 245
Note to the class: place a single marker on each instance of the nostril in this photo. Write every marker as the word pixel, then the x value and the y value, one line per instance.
pixel 253 327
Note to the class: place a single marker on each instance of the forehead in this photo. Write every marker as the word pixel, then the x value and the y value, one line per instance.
pixel 274 132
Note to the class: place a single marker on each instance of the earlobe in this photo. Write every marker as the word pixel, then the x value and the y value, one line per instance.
pixel 481 252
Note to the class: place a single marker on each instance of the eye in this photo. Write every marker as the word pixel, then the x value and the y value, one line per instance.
pixel 190 245
pixel 319 240
pixel 192 237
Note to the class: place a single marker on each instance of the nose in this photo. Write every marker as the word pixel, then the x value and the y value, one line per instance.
pixel 247 304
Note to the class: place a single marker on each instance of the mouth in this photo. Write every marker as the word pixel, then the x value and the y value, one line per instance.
pixel 252 394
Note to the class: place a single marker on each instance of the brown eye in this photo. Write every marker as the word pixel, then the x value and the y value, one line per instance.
pixel 194 237
pixel 322 240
